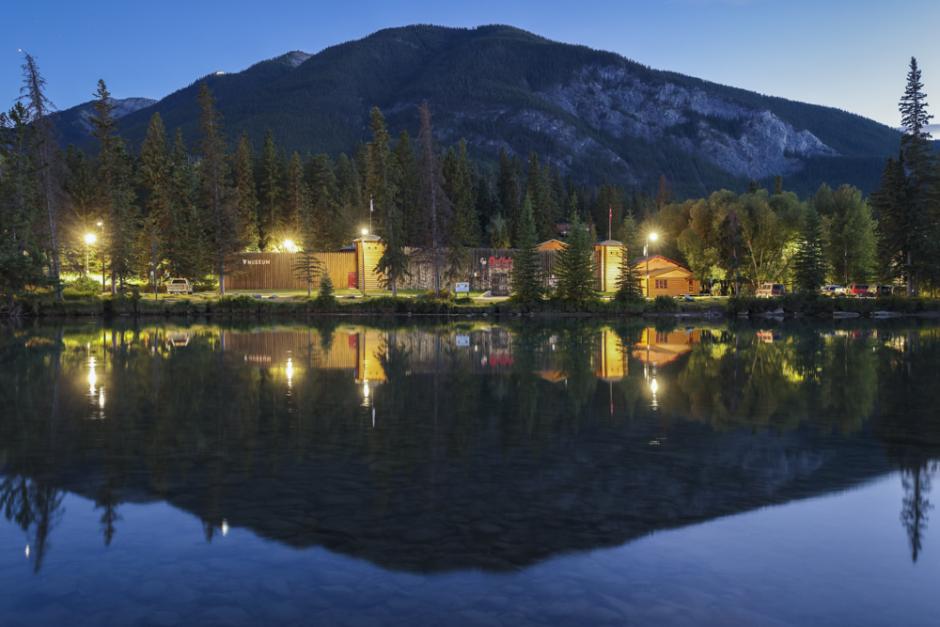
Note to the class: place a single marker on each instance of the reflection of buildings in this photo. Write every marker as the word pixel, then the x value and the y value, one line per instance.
pixel 611 364
pixel 658 348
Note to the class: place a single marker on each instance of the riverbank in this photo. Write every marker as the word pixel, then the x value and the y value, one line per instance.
pixel 258 305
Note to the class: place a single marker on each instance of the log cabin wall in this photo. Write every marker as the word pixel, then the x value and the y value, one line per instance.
pixel 275 271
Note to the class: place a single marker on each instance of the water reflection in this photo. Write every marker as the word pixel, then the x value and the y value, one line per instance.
pixel 477 446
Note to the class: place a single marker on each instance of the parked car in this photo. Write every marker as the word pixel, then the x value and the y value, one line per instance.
pixel 884 290
pixel 833 290
pixel 771 290
pixel 179 286
pixel 860 290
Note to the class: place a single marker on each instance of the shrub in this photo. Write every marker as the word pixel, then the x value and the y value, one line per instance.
pixel 665 304
pixel 83 287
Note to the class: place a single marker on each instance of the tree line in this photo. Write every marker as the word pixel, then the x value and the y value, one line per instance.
pixel 169 209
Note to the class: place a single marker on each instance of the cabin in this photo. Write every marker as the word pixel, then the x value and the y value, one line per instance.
pixel 666 277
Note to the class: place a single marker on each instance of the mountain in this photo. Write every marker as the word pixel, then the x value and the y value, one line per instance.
pixel 594 114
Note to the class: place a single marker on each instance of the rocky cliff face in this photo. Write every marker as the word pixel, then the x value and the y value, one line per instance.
pixel 745 142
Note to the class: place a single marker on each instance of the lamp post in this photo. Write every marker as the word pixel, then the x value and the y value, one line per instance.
pixel 651 237
pixel 90 239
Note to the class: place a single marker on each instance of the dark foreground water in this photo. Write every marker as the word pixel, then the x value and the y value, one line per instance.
pixel 574 474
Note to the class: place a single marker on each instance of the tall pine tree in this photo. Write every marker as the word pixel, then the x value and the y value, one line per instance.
pixel 809 262
pixel 576 282
pixel 526 266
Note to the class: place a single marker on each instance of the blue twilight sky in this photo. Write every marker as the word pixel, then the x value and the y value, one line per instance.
pixel 849 54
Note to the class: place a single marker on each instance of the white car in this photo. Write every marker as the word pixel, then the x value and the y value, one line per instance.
pixel 833 290
pixel 179 286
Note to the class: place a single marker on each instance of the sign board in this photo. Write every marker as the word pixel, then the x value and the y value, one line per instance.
pixel 462 287
pixel 463 341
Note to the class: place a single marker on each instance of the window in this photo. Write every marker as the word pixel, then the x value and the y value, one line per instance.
pixel 660 284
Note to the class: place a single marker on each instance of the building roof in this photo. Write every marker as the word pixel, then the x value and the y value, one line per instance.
pixel 609 242
pixel 551 244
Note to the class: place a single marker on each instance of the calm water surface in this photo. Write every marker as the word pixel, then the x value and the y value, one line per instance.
pixel 473 474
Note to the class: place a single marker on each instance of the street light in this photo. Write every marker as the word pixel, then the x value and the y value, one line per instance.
pixel 289 246
pixel 651 237
pixel 364 231
pixel 90 240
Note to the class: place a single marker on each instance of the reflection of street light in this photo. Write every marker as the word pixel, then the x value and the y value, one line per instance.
pixel 651 237
pixel 289 371
pixel 654 388
pixel 90 240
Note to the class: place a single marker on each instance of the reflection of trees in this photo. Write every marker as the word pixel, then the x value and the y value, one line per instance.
pixel 192 418
pixel 35 508
pixel 916 504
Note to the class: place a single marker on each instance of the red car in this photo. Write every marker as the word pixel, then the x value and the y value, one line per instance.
pixel 859 290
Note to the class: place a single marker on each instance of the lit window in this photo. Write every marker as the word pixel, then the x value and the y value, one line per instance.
pixel 660 284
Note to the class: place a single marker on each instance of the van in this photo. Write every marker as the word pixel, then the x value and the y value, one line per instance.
pixel 770 290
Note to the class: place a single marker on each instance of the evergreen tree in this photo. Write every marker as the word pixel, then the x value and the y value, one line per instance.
pixel 269 191
pixel 44 161
pixel 221 215
pixel 381 182
pixel 432 194
pixel 307 267
pixel 185 242
pixel 891 204
pixel 628 283
pixel 498 231
pixel 809 263
pixel 154 176
pixel 629 236
pixel 415 219
pixel 21 251
pixel 326 296
pixel 464 231
pixel 507 186
pixel 909 223
pixel 576 265
pixel 349 197
pixel 115 191
pixel 246 194
pixel 333 226
pixel 296 216
pixel 527 267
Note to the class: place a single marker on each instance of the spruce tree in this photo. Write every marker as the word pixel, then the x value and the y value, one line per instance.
pixel 115 191
pixel 576 265
pixel 154 176
pixel 185 242
pixel 526 264
pixel 415 219
pixel 45 161
pixel 269 194
pixel 464 230
pixel 246 195
pixel 221 217
pixel 628 283
pixel 809 262
pixel 326 295
pixel 432 194
pixel 296 205
pixel 307 267
pixel 21 250
pixel 381 182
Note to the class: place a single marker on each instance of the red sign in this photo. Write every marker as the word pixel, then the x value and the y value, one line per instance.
pixel 500 263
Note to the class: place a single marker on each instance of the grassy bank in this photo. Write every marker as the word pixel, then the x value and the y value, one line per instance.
pixel 299 306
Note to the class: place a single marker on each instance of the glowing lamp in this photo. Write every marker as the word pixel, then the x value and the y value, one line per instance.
pixel 90 239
